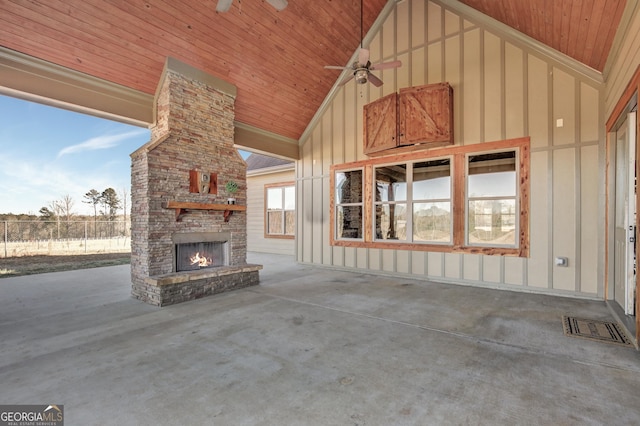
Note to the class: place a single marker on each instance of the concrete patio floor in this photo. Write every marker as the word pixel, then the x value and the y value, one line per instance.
pixel 309 346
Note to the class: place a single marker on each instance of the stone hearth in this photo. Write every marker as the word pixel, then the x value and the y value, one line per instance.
pixel 193 132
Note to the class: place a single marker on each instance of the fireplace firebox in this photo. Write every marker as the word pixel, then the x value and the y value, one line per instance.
pixel 194 256
pixel 198 250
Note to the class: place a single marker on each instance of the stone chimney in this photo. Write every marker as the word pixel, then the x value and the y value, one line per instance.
pixel 193 133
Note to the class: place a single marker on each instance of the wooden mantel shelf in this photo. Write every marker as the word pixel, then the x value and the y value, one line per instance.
pixel 181 208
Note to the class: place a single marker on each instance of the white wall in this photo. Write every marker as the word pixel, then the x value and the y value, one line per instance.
pixel 256 240
pixel 502 89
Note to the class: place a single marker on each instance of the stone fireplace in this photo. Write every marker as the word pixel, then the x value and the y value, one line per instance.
pixel 189 244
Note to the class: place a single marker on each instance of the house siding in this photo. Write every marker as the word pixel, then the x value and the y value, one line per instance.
pixel 256 240
pixel 502 90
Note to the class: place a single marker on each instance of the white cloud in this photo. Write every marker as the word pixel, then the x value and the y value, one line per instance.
pixel 30 185
pixel 27 185
pixel 99 142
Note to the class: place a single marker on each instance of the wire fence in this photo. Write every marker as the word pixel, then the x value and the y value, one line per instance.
pixel 28 238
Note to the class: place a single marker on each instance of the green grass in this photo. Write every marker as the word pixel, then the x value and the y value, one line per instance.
pixel 30 265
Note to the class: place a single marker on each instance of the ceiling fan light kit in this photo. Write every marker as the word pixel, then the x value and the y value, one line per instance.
pixel 362 67
pixel 361 76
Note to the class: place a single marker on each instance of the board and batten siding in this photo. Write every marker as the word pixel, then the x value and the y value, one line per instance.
pixel 256 240
pixel 502 90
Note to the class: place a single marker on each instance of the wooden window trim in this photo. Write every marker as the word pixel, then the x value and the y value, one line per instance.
pixel 266 210
pixel 366 199
pixel 458 153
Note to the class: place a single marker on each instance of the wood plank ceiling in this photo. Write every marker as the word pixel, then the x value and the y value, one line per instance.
pixel 581 29
pixel 275 59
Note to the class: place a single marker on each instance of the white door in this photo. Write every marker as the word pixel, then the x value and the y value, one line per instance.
pixel 625 216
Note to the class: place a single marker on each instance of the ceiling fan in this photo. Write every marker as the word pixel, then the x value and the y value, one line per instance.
pixel 225 5
pixel 362 67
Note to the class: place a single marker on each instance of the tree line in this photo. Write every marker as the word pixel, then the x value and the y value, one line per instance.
pixel 106 203
pixel 58 218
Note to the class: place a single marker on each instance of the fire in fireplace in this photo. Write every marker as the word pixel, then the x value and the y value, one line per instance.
pixel 201 261
pixel 193 256
pixel 201 250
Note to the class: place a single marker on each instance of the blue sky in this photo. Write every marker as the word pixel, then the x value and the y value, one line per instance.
pixel 47 153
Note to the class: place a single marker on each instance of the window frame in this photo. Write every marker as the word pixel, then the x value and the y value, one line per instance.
pixel 459 199
pixel 433 200
pixel 389 203
pixel 282 186
pixel 334 206
pixel 469 198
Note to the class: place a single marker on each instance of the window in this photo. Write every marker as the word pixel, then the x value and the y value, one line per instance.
pixel 471 199
pixel 391 202
pixel 432 201
pixel 280 201
pixel 412 202
pixel 349 206
pixel 417 209
pixel 492 196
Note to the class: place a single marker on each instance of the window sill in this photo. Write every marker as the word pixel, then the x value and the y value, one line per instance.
pixel 441 248
pixel 281 237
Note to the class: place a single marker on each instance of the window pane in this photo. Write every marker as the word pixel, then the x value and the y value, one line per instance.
pixel 274 198
pixel 492 185
pixel 391 183
pixel 349 187
pixel 275 222
pixel 290 222
pixel 432 222
pixel 432 180
pixel 492 175
pixel 391 222
pixel 349 221
pixel 492 222
pixel 290 198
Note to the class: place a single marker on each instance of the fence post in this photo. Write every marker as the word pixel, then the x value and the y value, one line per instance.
pixel 6 237
pixel 85 237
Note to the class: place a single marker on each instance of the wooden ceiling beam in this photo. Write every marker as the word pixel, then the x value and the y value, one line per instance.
pixel 25 77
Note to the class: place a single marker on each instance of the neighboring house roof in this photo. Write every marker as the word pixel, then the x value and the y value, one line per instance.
pixel 258 162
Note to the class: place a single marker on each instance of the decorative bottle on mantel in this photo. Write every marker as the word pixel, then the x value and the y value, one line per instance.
pixel 231 187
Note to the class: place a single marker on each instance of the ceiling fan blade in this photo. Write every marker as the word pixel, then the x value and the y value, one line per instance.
pixel 223 5
pixel 278 4
pixel 386 65
pixel 346 80
pixel 375 80
pixel 363 56
pixel 335 67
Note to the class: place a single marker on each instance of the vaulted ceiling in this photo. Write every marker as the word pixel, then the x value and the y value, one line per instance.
pixel 581 29
pixel 275 59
